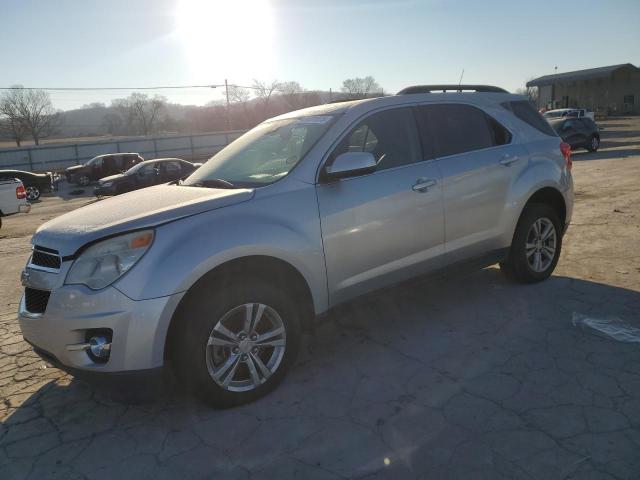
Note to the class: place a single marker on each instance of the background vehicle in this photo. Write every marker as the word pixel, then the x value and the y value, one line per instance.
pixel 34 183
pixel 568 112
pixel 146 174
pixel 578 132
pixel 219 274
pixel 102 166
pixel 13 198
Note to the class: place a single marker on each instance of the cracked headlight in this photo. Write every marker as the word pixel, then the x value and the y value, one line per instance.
pixel 104 262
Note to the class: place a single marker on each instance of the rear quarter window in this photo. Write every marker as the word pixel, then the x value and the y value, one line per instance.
pixel 526 112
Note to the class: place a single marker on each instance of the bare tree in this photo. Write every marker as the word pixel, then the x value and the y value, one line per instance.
pixel 292 93
pixel 239 94
pixel 264 91
pixel 361 87
pixel 530 92
pixel 33 111
pixel 112 122
pixel 11 124
pixel 138 110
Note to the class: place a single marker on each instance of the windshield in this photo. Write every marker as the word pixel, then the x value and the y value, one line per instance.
pixel 264 154
pixel 133 170
pixel 555 113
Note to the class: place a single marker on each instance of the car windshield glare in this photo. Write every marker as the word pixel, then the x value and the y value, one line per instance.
pixel 264 154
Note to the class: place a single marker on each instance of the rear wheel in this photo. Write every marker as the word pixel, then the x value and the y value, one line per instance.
pixel 236 342
pixel 84 180
pixel 594 143
pixel 33 193
pixel 536 245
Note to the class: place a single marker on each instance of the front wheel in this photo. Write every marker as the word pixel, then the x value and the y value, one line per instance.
pixel 236 342
pixel 84 180
pixel 536 245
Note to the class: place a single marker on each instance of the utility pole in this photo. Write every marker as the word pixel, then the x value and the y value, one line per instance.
pixel 226 89
pixel 330 95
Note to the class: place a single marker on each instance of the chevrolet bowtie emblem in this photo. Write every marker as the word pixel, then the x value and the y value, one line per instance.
pixel 24 278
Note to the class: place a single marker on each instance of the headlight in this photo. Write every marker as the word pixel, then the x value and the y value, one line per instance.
pixel 106 184
pixel 103 263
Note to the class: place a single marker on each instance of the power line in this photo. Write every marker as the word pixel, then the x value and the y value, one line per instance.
pixel 111 88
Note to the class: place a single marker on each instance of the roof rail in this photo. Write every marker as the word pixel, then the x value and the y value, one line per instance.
pixel 451 88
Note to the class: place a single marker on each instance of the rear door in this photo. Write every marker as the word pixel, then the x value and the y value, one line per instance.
pixel 386 226
pixel 478 161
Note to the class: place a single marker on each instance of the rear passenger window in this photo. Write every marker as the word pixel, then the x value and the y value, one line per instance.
pixel 526 112
pixel 391 136
pixel 457 129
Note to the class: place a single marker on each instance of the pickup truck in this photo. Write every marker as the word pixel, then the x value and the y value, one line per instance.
pixel 13 198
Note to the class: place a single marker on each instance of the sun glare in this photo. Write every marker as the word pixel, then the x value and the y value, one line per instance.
pixel 226 39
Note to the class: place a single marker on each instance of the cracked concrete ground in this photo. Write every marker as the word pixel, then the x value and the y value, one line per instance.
pixel 469 376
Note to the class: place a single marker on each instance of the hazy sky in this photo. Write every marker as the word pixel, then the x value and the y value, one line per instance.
pixel 318 43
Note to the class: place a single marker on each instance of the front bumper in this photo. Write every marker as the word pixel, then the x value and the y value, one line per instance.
pixel 104 191
pixel 139 328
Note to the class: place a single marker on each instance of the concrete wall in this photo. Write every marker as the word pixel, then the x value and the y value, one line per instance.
pixel 59 156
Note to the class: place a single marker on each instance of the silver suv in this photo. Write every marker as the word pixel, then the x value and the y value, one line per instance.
pixel 219 274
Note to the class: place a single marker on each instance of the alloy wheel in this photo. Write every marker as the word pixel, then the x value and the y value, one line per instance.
pixel 246 347
pixel 32 193
pixel 541 244
pixel 595 143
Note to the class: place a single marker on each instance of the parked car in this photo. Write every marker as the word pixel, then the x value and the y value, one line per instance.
pixel 219 274
pixel 578 132
pixel 13 198
pixel 145 174
pixel 568 112
pixel 102 166
pixel 34 183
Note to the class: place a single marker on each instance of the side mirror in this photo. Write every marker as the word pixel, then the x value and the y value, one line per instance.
pixel 351 163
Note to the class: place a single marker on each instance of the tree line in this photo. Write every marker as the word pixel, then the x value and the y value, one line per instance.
pixel 28 113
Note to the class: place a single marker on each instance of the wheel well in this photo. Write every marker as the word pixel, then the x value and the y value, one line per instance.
pixel 552 197
pixel 270 269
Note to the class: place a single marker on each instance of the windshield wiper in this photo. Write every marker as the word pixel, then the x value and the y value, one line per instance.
pixel 214 183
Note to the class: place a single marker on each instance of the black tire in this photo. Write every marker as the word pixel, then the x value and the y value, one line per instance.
pixel 594 143
pixel 33 193
pixel 84 181
pixel 517 266
pixel 200 314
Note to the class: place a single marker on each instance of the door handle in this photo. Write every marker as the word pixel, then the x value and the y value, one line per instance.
pixel 507 160
pixel 423 184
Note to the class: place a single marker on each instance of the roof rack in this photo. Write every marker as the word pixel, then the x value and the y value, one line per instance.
pixel 451 88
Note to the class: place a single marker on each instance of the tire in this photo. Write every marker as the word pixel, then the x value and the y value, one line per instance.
pixel 232 357
pixel 535 262
pixel 33 193
pixel 84 181
pixel 594 143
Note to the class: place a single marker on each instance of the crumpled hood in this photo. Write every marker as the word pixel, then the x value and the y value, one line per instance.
pixel 138 209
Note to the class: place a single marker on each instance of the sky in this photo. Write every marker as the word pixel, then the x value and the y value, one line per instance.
pixel 319 43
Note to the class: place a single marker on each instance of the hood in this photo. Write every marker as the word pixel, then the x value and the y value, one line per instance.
pixel 75 168
pixel 110 178
pixel 144 208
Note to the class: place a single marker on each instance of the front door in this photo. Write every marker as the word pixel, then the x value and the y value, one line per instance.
pixel 386 226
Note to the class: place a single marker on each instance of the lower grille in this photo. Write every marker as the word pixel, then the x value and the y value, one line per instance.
pixel 36 300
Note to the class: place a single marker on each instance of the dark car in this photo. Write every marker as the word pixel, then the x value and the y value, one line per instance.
pixel 34 183
pixel 145 174
pixel 578 132
pixel 102 166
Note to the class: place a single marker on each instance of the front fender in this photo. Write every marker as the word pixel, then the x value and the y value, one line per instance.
pixel 185 250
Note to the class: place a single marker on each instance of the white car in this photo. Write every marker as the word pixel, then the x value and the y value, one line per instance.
pixel 13 198
pixel 568 112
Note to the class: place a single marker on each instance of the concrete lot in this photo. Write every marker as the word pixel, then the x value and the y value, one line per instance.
pixel 466 377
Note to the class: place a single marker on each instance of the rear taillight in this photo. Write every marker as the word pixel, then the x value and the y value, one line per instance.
pixel 21 192
pixel 565 148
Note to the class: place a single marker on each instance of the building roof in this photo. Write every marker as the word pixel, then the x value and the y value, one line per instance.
pixel 581 74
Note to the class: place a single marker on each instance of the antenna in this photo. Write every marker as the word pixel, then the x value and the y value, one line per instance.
pixel 461 75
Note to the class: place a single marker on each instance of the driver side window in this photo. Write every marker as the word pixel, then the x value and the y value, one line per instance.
pixel 390 136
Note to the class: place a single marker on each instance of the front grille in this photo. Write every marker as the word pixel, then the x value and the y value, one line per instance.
pixel 45 258
pixel 36 300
